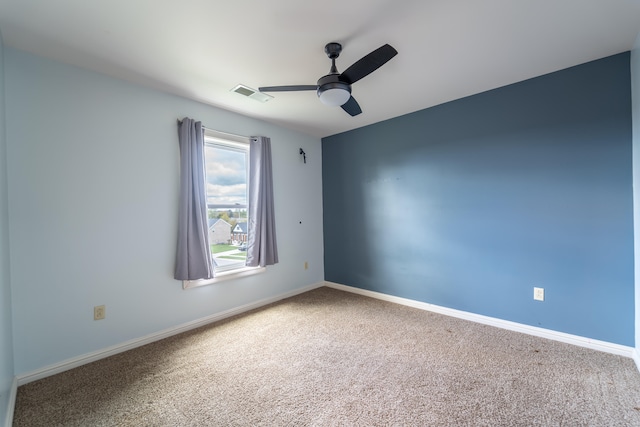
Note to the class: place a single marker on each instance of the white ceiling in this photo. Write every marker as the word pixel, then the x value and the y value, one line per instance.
pixel 201 49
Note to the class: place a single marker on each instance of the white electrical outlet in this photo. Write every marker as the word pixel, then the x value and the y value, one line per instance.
pixel 99 312
pixel 538 294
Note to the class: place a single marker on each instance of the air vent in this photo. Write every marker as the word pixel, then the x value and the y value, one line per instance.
pixel 251 93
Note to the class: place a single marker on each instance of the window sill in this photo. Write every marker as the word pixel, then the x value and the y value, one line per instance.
pixel 222 276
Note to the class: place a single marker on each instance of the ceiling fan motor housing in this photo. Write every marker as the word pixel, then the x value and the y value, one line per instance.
pixel 332 91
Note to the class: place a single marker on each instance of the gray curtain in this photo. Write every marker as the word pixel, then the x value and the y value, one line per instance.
pixel 261 248
pixel 193 258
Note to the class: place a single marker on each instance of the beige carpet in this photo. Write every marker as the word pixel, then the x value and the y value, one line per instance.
pixel 330 358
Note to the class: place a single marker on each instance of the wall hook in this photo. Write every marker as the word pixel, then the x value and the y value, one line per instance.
pixel 304 155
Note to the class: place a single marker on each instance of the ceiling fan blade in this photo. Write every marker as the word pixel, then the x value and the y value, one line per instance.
pixel 352 107
pixel 368 64
pixel 287 88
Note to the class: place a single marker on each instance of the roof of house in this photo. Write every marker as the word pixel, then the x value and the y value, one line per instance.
pixel 214 221
pixel 242 226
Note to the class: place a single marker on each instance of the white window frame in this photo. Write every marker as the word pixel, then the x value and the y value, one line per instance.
pixel 239 143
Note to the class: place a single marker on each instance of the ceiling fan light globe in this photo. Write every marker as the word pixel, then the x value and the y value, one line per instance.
pixel 334 97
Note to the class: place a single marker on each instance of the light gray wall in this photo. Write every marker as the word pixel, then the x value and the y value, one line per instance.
pixel 93 173
pixel 6 343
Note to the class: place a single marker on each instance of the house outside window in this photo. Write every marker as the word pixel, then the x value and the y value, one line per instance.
pixel 240 232
pixel 219 232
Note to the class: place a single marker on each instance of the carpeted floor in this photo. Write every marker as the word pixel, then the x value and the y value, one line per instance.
pixel 331 358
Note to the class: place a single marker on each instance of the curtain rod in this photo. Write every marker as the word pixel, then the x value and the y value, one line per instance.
pixel 231 135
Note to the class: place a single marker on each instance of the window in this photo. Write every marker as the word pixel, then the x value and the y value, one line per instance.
pixel 227 172
pixel 218 190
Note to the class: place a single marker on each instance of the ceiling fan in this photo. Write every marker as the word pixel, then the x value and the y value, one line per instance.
pixel 334 89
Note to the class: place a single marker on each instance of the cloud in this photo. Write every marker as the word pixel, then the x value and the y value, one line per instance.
pixel 227 194
pixel 226 176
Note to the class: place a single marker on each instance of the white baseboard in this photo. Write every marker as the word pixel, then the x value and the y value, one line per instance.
pixel 65 365
pixel 504 324
pixel 11 403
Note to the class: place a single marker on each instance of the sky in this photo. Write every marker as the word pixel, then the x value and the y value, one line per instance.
pixel 226 176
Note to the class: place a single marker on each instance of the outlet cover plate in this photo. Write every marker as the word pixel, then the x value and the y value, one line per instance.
pixel 538 294
pixel 99 312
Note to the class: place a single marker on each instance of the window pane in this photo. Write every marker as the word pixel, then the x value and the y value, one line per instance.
pixel 227 204
pixel 226 176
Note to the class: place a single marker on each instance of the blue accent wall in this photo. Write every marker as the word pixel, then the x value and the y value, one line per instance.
pixel 472 203
pixel 635 112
